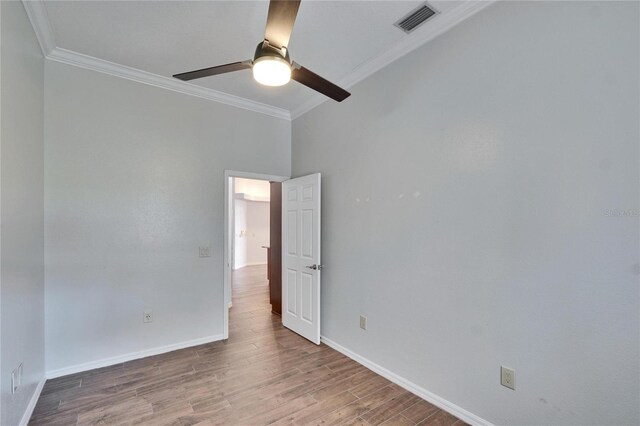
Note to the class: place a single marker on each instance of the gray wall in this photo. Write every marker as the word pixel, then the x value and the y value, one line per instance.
pixel 467 197
pixel 134 185
pixel 21 223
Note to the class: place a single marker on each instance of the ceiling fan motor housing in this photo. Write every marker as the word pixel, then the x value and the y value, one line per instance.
pixel 264 49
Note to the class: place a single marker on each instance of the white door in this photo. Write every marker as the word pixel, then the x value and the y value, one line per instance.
pixel 301 256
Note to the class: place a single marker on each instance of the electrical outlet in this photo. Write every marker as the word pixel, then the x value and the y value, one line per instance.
pixel 508 377
pixel 147 316
pixel 363 322
pixel 204 252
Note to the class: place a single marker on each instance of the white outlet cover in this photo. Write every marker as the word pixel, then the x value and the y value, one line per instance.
pixel 508 377
pixel 363 322
pixel 204 252
pixel 147 316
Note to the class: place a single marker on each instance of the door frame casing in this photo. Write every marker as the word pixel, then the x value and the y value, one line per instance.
pixel 228 174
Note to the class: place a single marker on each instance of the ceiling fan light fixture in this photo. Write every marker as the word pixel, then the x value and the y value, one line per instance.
pixel 271 70
pixel 272 65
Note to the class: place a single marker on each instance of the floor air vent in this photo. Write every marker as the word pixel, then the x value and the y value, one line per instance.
pixel 415 18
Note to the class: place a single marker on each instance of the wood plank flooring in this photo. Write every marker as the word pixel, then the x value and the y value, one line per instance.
pixel 264 374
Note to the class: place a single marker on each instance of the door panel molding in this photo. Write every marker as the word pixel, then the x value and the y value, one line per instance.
pixel 301 209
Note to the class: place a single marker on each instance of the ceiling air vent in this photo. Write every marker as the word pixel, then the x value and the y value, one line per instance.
pixel 415 18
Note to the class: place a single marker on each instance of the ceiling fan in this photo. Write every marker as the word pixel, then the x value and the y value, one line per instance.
pixel 271 63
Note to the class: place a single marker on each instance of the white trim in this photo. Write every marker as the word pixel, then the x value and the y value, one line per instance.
pixel 32 403
pixel 100 65
pixel 255 176
pixel 226 299
pixel 437 25
pixel 430 397
pixel 105 362
pixel 37 13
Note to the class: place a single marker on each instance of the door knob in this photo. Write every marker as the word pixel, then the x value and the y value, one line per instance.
pixel 315 267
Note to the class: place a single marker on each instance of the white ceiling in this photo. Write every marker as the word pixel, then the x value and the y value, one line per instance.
pixel 332 38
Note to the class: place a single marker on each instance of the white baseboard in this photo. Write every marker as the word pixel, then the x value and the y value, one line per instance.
pixel 244 265
pixel 32 403
pixel 430 397
pixel 105 362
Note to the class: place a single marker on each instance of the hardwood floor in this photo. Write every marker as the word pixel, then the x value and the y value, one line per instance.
pixel 264 374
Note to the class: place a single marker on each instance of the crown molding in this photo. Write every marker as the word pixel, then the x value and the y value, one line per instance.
pixel 438 25
pixel 95 64
pixel 441 23
pixel 37 14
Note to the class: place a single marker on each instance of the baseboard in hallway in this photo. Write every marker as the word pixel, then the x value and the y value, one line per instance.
pixel 249 264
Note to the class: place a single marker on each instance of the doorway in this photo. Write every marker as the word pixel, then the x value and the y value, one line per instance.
pixel 252 253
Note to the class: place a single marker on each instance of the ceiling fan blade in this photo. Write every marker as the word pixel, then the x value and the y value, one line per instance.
pixel 282 16
pixel 317 83
pixel 220 69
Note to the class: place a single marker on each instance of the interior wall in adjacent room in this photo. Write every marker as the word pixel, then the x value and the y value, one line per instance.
pixel 252 229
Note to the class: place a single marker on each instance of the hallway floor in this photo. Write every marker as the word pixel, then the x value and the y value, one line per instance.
pixel 264 374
